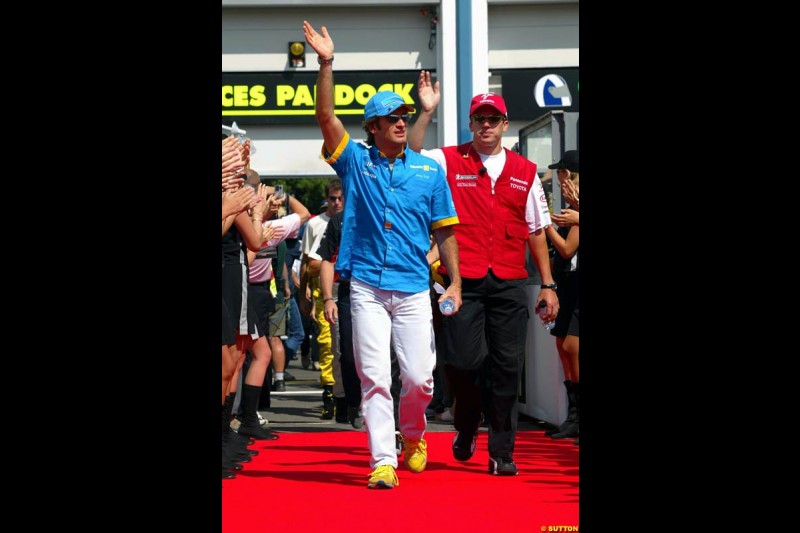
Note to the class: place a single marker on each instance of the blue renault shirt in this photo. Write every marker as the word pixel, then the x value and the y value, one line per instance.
pixel 389 215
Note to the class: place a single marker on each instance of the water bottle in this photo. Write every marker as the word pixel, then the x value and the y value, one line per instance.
pixel 541 312
pixel 447 306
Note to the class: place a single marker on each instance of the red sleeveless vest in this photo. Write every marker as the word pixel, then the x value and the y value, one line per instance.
pixel 492 232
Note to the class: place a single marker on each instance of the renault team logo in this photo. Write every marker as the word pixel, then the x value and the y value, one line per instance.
pixel 552 91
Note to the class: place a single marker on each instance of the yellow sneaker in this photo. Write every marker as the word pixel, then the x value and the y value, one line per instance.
pixel 383 477
pixel 415 454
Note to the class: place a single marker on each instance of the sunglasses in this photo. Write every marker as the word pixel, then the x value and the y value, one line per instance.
pixel 335 199
pixel 394 118
pixel 494 120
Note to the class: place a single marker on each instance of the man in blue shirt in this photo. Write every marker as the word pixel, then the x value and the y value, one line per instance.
pixel 394 199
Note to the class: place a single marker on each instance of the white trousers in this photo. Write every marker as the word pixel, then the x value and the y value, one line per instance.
pixel 379 318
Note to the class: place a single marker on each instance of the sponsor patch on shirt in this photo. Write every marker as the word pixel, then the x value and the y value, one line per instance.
pixel 466 177
pixel 518 184
pixel 367 167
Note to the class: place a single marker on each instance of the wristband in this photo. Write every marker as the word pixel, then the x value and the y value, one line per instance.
pixel 324 60
pixel 326 299
pixel 549 286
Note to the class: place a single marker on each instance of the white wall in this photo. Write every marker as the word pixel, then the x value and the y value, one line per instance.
pixel 373 38
pixel 533 36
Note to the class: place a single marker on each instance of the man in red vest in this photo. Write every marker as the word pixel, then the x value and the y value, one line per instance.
pixel 502 208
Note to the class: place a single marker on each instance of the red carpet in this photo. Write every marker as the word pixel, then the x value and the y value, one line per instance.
pixel 317 482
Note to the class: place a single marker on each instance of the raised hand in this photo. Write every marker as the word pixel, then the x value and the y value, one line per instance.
pixel 428 94
pixel 320 42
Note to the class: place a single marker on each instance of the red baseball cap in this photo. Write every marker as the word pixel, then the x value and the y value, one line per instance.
pixel 491 99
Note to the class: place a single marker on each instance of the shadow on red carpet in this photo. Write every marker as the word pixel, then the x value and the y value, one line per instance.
pixel 316 482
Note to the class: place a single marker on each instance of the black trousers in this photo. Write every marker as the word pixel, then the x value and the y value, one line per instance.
pixel 484 354
pixel 350 381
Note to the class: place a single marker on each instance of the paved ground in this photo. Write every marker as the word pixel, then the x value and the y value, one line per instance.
pixel 298 409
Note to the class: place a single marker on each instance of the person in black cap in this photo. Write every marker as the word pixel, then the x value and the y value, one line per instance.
pixel 501 205
pixel 566 271
pixel 569 161
pixel 567 166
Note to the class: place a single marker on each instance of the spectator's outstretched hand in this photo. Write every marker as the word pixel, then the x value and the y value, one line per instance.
pixel 273 232
pixel 568 217
pixel 234 202
pixel 268 233
pixel 254 201
pixel 570 193
pixel 231 183
pixel 261 205
pixel 234 162
pixel 275 203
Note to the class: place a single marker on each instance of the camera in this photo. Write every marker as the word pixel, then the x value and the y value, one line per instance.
pixel 279 191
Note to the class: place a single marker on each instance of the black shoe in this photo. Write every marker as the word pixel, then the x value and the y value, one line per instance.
pixel 229 464
pixel 398 443
pixel 253 429
pixel 501 466
pixel 355 418
pixel 464 445
pixel 236 457
pixel 327 402
pixel 242 440
pixel 234 451
pixel 279 385
pixel 227 474
pixel 287 376
pixel 563 427
pixel 570 432
pixel 572 412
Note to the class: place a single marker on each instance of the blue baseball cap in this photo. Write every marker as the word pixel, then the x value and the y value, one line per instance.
pixel 384 103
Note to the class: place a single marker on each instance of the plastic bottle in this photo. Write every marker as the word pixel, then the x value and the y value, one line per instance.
pixel 541 311
pixel 447 306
